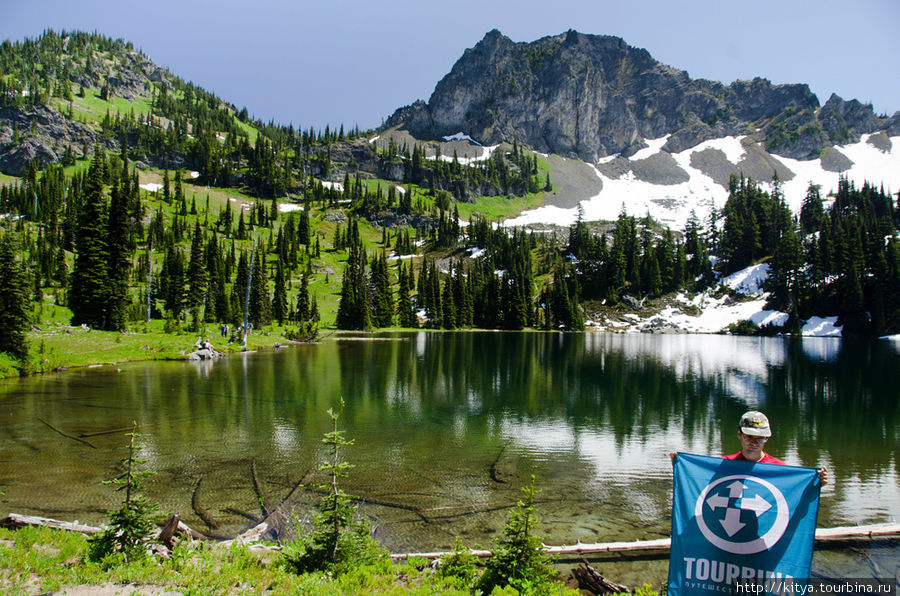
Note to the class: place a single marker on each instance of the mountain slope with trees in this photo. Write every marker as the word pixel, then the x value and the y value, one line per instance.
pixel 156 201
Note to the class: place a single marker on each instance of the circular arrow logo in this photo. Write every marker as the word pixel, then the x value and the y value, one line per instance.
pixel 736 495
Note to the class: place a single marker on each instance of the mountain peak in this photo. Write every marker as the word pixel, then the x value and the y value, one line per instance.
pixel 590 96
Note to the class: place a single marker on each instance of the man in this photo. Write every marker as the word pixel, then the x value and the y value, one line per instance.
pixel 753 432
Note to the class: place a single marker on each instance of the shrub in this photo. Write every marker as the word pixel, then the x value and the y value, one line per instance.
pixel 460 565
pixel 743 327
pixel 518 560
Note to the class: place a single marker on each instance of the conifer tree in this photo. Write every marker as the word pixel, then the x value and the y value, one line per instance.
pixel 405 312
pixel 172 280
pixel 14 318
pixel 303 312
pixel 119 259
pixel 448 305
pixel 89 286
pixel 383 300
pixel 260 302
pixel 279 300
pixel 353 309
pixel 197 274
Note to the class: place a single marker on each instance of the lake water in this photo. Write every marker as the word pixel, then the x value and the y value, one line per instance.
pixel 449 426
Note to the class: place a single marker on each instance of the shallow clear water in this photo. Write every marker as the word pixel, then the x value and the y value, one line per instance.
pixel 448 427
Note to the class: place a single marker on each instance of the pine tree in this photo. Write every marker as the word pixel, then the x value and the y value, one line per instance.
pixel 303 312
pixel 197 273
pixel 119 259
pixel 260 302
pixel 383 300
pixel 279 300
pixel 89 286
pixel 353 309
pixel 405 311
pixel 14 305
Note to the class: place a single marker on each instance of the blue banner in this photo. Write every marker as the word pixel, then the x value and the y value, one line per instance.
pixel 736 521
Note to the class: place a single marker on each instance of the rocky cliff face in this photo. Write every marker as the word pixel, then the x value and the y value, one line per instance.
pixel 590 96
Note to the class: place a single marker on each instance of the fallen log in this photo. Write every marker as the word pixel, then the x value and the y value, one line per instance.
pixel 592 580
pixel 254 518
pixel 14 521
pixel 274 522
pixel 167 534
pixel 503 469
pixel 260 492
pixel 659 548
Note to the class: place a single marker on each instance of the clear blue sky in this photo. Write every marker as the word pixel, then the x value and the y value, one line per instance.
pixel 354 61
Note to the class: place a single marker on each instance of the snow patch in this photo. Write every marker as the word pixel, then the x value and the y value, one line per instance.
pixel 194 175
pixel 333 185
pixel 821 327
pixel 749 281
pixel 671 205
pixel 152 187
pixel 461 136
pixel 654 147
pixel 288 207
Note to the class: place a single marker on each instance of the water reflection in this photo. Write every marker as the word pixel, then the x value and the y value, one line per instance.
pixel 438 418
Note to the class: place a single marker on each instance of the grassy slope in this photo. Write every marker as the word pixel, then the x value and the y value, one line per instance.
pixel 56 345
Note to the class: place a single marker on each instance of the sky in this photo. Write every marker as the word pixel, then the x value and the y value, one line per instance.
pixel 353 62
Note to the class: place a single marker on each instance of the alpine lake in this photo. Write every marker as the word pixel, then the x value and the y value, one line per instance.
pixel 448 426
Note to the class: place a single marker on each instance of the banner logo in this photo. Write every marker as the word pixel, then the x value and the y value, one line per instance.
pixel 742 514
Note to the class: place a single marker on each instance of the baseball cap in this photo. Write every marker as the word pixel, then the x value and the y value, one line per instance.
pixel 755 424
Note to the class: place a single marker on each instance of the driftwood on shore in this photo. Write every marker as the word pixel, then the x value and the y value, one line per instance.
pixel 660 548
pixel 275 521
pixel 592 580
pixel 14 521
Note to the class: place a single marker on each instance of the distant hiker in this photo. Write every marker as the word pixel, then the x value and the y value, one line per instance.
pixel 224 329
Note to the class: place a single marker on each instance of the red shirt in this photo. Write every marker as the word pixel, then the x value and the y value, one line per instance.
pixel 766 458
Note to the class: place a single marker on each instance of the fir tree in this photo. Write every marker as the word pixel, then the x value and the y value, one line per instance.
pixel 279 300
pixel 14 318
pixel 119 259
pixel 89 286
pixel 197 273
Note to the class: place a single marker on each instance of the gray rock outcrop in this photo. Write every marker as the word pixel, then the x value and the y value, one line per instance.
pixel 590 96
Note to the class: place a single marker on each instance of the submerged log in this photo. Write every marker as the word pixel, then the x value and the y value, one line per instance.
pixel 200 511
pixel 66 435
pixel 505 466
pixel 273 524
pixel 260 491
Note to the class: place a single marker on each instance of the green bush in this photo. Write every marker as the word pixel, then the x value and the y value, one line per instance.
pixel 743 327
pixel 461 565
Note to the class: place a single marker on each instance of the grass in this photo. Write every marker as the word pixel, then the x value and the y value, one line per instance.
pixel 91 109
pixel 38 560
pixel 56 345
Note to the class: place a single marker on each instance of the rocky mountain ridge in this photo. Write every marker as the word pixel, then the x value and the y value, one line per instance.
pixel 592 96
